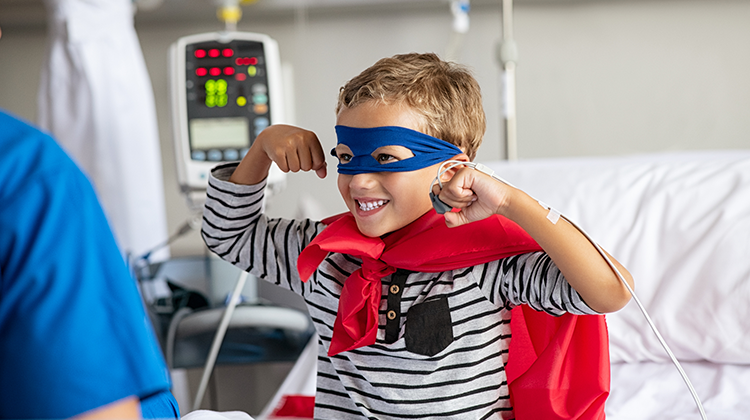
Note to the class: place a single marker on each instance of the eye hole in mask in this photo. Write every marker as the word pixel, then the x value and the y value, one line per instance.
pixel 383 155
pixel 388 149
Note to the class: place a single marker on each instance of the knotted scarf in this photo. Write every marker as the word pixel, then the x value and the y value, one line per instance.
pixel 425 245
pixel 558 366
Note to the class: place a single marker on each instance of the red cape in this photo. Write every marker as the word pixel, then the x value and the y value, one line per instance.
pixel 558 367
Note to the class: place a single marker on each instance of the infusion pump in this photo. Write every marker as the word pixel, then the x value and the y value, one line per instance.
pixel 225 89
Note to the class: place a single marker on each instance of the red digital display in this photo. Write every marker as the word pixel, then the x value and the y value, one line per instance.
pixel 246 61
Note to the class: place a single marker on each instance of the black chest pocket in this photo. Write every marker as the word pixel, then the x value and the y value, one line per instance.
pixel 428 329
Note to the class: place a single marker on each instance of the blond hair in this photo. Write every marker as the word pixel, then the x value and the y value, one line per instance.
pixel 444 93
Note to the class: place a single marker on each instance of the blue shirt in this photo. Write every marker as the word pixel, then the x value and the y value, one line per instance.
pixel 73 331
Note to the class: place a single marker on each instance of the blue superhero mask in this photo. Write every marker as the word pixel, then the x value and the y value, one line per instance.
pixel 363 142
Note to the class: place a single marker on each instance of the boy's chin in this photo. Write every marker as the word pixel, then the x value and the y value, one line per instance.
pixel 373 231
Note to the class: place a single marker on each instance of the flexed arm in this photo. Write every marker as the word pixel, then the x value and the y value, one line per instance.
pixel 292 148
pixel 234 226
pixel 479 196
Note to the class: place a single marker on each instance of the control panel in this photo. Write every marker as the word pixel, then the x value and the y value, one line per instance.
pixel 225 90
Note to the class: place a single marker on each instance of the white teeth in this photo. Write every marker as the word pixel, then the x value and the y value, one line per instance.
pixel 371 205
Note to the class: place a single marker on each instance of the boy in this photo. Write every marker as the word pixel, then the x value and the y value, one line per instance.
pixel 413 316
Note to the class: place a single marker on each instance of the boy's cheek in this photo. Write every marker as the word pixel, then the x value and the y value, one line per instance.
pixel 342 181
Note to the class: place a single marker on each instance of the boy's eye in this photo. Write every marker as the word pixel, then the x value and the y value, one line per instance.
pixel 342 153
pixel 385 158
pixel 389 154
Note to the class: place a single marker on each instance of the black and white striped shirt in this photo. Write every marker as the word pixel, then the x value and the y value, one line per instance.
pixel 442 340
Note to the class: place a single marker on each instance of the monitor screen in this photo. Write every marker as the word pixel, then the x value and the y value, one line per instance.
pixel 219 133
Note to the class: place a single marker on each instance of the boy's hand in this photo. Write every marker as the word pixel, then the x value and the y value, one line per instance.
pixel 475 194
pixel 292 148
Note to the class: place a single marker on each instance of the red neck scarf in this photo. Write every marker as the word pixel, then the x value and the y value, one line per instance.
pixel 425 245
pixel 572 384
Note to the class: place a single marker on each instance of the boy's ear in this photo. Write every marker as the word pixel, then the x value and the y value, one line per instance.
pixel 449 173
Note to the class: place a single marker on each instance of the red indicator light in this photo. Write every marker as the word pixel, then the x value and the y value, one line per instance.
pixel 227 52
pixel 229 71
pixel 201 71
pixel 240 77
pixel 252 61
pixel 238 61
pixel 213 53
pixel 200 53
pixel 215 71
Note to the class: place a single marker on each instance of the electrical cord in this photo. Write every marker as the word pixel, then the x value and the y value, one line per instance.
pixel 213 353
pixel 553 215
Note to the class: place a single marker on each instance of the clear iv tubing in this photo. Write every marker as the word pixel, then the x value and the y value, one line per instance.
pixel 488 171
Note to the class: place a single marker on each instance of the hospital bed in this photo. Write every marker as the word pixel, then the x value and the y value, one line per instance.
pixel 680 222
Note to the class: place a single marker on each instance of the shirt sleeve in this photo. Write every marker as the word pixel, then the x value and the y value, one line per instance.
pixel 74 334
pixel 235 228
pixel 531 279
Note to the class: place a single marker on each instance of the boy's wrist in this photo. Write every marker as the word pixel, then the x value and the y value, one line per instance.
pixel 515 204
pixel 253 168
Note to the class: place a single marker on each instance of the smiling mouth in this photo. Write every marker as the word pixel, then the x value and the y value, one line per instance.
pixel 371 205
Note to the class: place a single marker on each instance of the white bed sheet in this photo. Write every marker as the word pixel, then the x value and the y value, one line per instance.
pixel 680 222
pixel 655 391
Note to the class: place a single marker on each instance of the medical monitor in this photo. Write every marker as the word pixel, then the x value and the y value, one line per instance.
pixel 225 89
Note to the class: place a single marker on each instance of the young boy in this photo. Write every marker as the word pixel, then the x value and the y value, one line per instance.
pixel 412 308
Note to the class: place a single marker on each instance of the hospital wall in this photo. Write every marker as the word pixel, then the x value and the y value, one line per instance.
pixel 594 77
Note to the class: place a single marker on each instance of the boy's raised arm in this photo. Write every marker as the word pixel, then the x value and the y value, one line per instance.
pixel 578 260
pixel 292 148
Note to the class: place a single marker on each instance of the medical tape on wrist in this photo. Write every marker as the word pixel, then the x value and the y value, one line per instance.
pixel 553 215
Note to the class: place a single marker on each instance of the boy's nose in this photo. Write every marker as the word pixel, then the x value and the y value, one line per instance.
pixel 362 181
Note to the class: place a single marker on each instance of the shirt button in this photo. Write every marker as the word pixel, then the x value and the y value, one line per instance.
pixel 391 315
pixel 394 289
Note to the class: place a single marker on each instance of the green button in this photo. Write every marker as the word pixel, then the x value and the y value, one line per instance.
pixel 221 86
pixel 221 100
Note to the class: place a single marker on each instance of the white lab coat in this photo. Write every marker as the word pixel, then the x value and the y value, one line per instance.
pixel 96 98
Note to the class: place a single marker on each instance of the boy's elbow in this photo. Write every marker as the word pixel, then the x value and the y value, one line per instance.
pixel 618 296
pixel 613 305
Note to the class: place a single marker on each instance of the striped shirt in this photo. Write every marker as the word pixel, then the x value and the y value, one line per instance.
pixel 442 341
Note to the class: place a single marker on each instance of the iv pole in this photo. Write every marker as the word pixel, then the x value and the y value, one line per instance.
pixel 507 55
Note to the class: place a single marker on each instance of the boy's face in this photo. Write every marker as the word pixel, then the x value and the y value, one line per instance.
pixel 383 202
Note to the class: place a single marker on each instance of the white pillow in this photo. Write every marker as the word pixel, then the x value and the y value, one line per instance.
pixel 680 223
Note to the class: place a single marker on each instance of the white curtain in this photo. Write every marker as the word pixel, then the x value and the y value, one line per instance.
pixel 96 98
